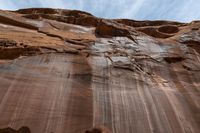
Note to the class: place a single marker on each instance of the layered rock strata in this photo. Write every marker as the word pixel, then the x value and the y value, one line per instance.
pixel 67 71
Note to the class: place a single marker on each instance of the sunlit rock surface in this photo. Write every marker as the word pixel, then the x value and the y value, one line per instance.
pixel 67 71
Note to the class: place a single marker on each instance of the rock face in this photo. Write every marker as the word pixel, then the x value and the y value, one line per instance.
pixel 67 71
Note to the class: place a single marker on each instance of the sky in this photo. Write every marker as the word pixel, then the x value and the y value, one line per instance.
pixel 177 10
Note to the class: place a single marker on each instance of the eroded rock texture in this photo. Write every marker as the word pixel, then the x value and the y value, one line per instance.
pixel 66 71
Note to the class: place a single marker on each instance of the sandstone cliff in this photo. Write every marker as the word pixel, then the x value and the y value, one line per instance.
pixel 67 71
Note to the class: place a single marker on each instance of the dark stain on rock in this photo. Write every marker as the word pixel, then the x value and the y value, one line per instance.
pixel 10 130
pixel 173 59
pixel 94 130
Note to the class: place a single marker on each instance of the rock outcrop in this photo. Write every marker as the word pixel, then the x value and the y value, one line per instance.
pixel 67 71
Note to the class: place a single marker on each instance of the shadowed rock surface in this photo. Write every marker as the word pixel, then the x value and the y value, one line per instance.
pixel 10 130
pixel 67 71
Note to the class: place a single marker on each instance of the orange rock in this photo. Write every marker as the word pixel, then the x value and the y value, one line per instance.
pixel 64 71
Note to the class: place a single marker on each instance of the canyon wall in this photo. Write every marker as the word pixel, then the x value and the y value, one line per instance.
pixel 67 71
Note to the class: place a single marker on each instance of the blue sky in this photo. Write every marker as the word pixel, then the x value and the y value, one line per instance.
pixel 179 10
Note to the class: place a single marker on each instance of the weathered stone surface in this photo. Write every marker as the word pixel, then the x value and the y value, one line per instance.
pixel 68 16
pixel 67 71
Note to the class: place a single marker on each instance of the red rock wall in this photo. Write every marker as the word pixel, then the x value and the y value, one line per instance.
pixel 64 71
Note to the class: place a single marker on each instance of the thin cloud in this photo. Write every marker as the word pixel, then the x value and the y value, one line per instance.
pixel 180 10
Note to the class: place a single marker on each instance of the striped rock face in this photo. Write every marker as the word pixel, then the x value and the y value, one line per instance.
pixel 67 71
